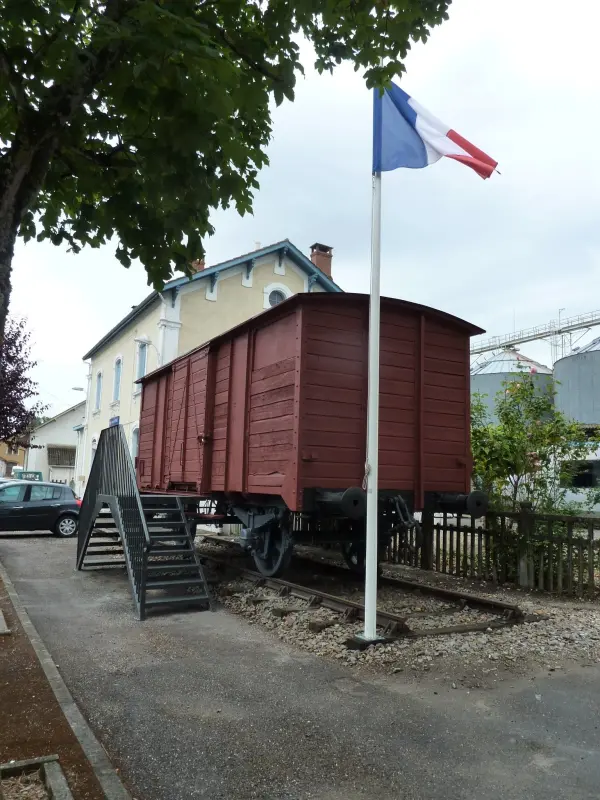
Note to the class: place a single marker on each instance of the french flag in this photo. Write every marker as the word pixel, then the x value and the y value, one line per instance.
pixel 407 135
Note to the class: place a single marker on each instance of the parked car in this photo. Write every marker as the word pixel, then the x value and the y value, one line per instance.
pixel 38 506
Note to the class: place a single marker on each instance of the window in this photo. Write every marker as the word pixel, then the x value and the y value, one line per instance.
pixel 61 456
pixel 41 493
pixel 135 443
pixel 141 361
pixel 580 474
pixel 12 494
pixel 276 297
pixel 274 294
pixel 98 391
pixel 13 449
pixel 117 380
pixel 94 448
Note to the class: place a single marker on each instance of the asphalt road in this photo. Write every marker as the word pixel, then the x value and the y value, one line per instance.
pixel 202 705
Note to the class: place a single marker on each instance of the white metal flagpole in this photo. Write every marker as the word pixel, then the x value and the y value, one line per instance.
pixel 372 465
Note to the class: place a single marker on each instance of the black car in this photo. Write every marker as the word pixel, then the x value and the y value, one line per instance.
pixel 37 506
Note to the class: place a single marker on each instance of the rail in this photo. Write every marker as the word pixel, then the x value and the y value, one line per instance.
pixel 393 625
pixel 112 483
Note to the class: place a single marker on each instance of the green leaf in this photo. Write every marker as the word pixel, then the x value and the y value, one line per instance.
pixel 141 117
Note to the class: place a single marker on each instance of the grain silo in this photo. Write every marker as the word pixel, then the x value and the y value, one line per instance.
pixel 577 379
pixel 489 377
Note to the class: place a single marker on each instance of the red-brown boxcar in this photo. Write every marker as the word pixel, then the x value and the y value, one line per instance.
pixel 269 418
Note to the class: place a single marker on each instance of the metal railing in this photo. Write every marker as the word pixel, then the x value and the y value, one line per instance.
pixel 112 483
pixel 552 328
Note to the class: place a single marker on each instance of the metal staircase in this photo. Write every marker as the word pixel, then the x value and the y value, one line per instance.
pixel 148 534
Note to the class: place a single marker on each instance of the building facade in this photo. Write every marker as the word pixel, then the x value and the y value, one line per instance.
pixel 54 446
pixel 187 312
pixel 11 456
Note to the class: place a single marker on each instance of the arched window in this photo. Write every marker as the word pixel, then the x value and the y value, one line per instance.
pixel 135 443
pixel 117 380
pixel 141 360
pixel 94 448
pixel 98 391
pixel 276 297
pixel 275 293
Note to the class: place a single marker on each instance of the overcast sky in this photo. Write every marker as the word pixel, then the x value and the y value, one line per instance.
pixel 518 79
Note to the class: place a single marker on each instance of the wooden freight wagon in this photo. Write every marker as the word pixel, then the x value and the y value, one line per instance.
pixel 268 421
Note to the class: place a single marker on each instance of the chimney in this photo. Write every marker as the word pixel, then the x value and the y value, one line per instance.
pixel 321 255
pixel 198 265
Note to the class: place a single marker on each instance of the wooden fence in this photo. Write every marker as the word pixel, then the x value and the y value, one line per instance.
pixel 550 552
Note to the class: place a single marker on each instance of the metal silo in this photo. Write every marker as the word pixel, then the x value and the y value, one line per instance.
pixel 577 379
pixel 488 377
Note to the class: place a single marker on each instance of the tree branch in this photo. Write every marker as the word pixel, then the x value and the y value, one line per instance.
pixel 14 80
pixel 106 159
pixel 261 68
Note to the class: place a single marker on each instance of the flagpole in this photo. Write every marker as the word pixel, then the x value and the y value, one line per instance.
pixel 372 461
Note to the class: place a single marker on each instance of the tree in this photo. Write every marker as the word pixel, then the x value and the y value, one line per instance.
pixel 18 414
pixel 134 118
pixel 531 452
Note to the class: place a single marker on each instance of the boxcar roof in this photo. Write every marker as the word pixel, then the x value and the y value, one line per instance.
pixel 316 298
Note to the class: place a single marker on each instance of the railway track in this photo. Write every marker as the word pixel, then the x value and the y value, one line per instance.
pixel 393 625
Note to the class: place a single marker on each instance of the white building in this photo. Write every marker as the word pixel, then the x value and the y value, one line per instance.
pixel 187 312
pixel 54 446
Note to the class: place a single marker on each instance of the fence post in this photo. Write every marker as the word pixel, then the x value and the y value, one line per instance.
pixel 427 540
pixel 525 576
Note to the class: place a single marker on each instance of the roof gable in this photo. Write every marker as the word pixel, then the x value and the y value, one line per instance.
pixel 285 247
pixel 60 414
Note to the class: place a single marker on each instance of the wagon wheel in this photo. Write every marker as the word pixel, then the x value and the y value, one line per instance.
pixel 275 554
pixel 354 554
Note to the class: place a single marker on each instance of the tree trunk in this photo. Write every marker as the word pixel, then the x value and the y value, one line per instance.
pixel 22 180
pixel 8 235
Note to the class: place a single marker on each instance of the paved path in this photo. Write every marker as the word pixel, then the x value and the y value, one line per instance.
pixel 202 705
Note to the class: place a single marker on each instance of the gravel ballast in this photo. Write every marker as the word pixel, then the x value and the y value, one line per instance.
pixel 566 631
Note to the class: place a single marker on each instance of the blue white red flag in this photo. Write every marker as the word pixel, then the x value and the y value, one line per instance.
pixel 407 135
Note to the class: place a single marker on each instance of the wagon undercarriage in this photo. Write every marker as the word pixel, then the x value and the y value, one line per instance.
pixel 269 530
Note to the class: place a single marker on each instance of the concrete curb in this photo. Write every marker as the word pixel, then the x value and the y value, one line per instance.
pixel 107 777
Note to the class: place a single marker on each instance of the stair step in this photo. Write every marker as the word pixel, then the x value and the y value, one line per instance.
pixel 171 566
pixel 98 540
pixel 167 537
pixel 175 582
pixel 114 563
pixel 165 523
pixel 171 551
pixel 183 599
pixel 118 552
